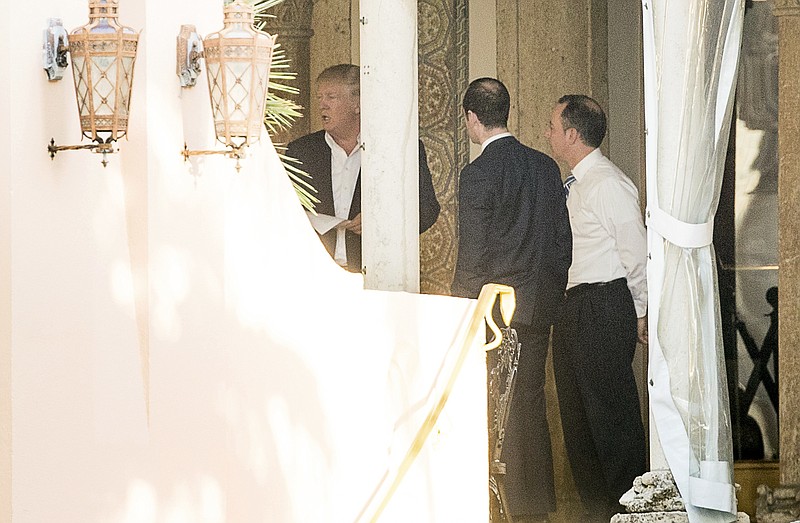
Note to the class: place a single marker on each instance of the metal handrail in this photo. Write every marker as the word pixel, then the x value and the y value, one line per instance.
pixel 481 316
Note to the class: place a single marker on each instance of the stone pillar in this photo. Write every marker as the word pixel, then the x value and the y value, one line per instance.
pixel 390 155
pixel 292 24
pixel 781 505
pixel 788 13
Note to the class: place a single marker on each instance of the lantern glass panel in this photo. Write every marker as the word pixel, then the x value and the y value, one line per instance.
pixel 237 63
pixel 103 55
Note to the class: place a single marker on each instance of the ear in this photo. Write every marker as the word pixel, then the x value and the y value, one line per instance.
pixel 356 104
pixel 572 135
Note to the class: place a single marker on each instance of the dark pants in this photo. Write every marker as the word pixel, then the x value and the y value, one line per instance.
pixel 526 449
pixel 594 341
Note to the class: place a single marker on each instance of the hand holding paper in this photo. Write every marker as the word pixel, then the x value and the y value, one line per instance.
pixel 323 223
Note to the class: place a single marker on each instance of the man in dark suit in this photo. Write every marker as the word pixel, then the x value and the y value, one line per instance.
pixel 514 229
pixel 333 159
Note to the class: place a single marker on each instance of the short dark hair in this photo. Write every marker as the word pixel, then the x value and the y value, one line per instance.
pixel 488 98
pixel 347 74
pixel 585 115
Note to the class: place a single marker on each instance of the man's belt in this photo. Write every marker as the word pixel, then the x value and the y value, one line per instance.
pixel 584 287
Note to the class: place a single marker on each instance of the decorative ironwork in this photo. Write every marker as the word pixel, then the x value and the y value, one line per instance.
pixel 761 357
pixel 237 152
pixel 189 52
pixel 104 148
pixel 54 50
pixel 503 362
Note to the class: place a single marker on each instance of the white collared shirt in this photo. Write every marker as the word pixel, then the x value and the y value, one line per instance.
pixel 493 139
pixel 344 175
pixel 608 235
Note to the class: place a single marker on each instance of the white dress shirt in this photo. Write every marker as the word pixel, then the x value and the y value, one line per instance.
pixel 344 175
pixel 608 235
pixel 493 139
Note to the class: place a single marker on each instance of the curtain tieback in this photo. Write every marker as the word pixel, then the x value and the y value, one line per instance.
pixel 682 234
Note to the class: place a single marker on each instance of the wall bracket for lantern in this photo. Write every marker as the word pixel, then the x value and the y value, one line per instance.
pixel 104 148
pixel 103 55
pixel 233 151
pixel 189 53
pixel 238 59
pixel 55 46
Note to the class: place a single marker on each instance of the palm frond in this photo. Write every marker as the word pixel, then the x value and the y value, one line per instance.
pixel 280 112
pixel 305 191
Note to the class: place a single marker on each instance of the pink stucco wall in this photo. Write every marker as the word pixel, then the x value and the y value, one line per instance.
pixel 176 345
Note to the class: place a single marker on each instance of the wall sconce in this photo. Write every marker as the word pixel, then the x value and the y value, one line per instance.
pixel 238 59
pixel 54 50
pixel 190 50
pixel 103 55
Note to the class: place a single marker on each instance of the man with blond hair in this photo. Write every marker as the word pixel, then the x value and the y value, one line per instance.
pixel 332 157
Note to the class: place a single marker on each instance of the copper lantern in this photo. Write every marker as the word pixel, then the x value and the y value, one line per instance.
pixel 103 55
pixel 238 59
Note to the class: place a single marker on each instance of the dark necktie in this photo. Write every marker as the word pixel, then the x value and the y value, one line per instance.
pixel 569 181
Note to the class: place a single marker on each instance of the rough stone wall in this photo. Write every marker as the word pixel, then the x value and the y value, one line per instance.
pixel 788 236
pixel 332 44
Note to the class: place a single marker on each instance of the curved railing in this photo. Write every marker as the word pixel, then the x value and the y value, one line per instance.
pixel 481 316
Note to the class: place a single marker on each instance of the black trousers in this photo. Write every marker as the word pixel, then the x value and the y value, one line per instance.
pixel 526 449
pixel 594 341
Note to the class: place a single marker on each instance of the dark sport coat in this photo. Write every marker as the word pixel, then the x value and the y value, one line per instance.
pixel 514 228
pixel 315 154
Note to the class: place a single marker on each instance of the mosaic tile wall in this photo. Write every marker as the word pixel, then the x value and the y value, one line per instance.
pixel 443 77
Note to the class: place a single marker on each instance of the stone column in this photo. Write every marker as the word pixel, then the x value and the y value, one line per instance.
pixel 781 505
pixel 292 24
pixel 390 155
pixel 788 13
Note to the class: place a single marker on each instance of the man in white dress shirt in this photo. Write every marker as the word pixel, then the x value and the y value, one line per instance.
pixel 332 157
pixel 604 313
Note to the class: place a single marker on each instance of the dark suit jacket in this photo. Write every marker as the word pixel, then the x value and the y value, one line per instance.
pixel 514 229
pixel 315 154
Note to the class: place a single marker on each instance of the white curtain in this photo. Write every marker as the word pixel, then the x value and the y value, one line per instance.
pixel 691 56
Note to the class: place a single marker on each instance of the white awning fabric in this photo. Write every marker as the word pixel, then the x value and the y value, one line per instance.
pixel 691 51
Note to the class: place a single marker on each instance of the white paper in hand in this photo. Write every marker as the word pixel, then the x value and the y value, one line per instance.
pixel 323 223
